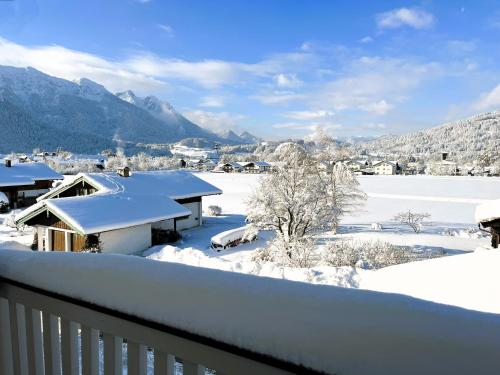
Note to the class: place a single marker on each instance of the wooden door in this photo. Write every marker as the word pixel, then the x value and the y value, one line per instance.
pixel 77 242
pixel 58 240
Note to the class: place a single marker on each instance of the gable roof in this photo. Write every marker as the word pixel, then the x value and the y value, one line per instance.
pixel 121 202
pixel 26 174
pixel 488 211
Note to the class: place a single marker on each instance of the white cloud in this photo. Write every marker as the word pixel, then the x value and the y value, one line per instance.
pixel 371 83
pixel 489 100
pixel 461 46
pixel 379 108
pixel 411 17
pixel 167 29
pixel 70 64
pixel 214 121
pixel 366 39
pixel 212 102
pixel 277 97
pixel 309 115
pixel 307 126
pixel 287 80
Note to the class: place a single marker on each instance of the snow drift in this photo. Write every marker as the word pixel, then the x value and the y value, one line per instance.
pixel 330 329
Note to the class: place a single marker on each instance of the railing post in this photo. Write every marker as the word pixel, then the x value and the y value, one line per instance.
pixel 69 347
pixel 112 354
pixel 164 364
pixel 136 358
pixel 90 351
pixel 18 339
pixel 51 344
pixel 6 366
pixel 34 341
pixel 190 368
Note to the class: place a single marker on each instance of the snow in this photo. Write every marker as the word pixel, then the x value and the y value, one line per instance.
pixel 3 198
pixel 330 329
pixel 470 280
pixel 228 236
pixel 26 174
pixel 488 211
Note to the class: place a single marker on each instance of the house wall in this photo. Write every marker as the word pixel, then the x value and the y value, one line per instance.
pixel 384 169
pixel 194 220
pixel 164 224
pixel 126 240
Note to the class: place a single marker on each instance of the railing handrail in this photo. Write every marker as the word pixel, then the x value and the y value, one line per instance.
pixel 229 348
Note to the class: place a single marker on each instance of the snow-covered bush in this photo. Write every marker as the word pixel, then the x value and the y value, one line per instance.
pixel 214 210
pixel 10 220
pixel 376 226
pixel 413 219
pixel 4 203
pixel 371 254
pixel 92 244
pixel 263 254
pixel 294 252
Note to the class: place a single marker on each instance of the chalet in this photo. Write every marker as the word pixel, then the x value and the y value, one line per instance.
pixel 22 183
pixel 384 168
pixel 116 213
pixel 230 167
pixel 256 166
pixel 488 216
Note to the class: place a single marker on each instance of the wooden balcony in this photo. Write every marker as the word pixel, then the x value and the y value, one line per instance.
pixel 46 333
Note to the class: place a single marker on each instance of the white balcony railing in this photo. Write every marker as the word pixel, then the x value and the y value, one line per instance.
pixel 69 314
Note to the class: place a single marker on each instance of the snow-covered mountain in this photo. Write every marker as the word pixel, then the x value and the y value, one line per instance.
pixel 242 138
pixel 41 111
pixel 463 140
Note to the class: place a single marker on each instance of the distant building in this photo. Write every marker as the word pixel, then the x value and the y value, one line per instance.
pixel 23 182
pixel 385 168
pixel 230 167
pixel 256 166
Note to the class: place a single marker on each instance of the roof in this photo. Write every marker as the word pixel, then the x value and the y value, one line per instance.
pixel 384 162
pixel 257 163
pixel 26 174
pixel 121 202
pixel 488 211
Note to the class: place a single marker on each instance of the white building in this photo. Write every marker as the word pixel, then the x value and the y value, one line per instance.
pixel 384 168
pixel 116 213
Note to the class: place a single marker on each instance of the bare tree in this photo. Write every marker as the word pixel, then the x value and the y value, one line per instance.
pixel 413 219
pixel 299 198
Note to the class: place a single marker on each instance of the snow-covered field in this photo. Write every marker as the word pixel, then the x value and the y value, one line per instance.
pixel 466 280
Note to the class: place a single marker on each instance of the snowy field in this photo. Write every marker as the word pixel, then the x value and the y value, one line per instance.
pixel 465 277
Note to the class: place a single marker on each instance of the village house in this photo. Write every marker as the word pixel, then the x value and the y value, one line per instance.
pixel 488 218
pixel 230 167
pixel 256 166
pixel 22 183
pixel 385 168
pixel 116 212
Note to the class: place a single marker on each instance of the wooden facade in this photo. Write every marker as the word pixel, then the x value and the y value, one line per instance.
pixel 62 236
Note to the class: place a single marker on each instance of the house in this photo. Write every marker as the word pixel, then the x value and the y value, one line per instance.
pixel 230 167
pixel 256 166
pixel 488 216
pixel 355 165
pixel 22 183
pixel 384 168
pixel 116 212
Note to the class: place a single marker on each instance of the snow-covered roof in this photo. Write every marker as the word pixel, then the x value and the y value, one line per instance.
pixel 375 164
pixel 488 211
pixel 26 174
pixel 121 202
pixel 232 164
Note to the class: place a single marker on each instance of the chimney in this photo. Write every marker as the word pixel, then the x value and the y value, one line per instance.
pixel 8 163
pixel 444 155
pixel 124 172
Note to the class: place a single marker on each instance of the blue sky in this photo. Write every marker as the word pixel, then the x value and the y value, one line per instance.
pixel 276 68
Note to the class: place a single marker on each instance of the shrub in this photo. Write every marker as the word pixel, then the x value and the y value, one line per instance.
pixel 250 234
pixel 214 210
pixel 371 254
pixel 413 219
pixel 164 236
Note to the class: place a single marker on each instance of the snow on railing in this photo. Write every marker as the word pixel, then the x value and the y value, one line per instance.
pixel 230 322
